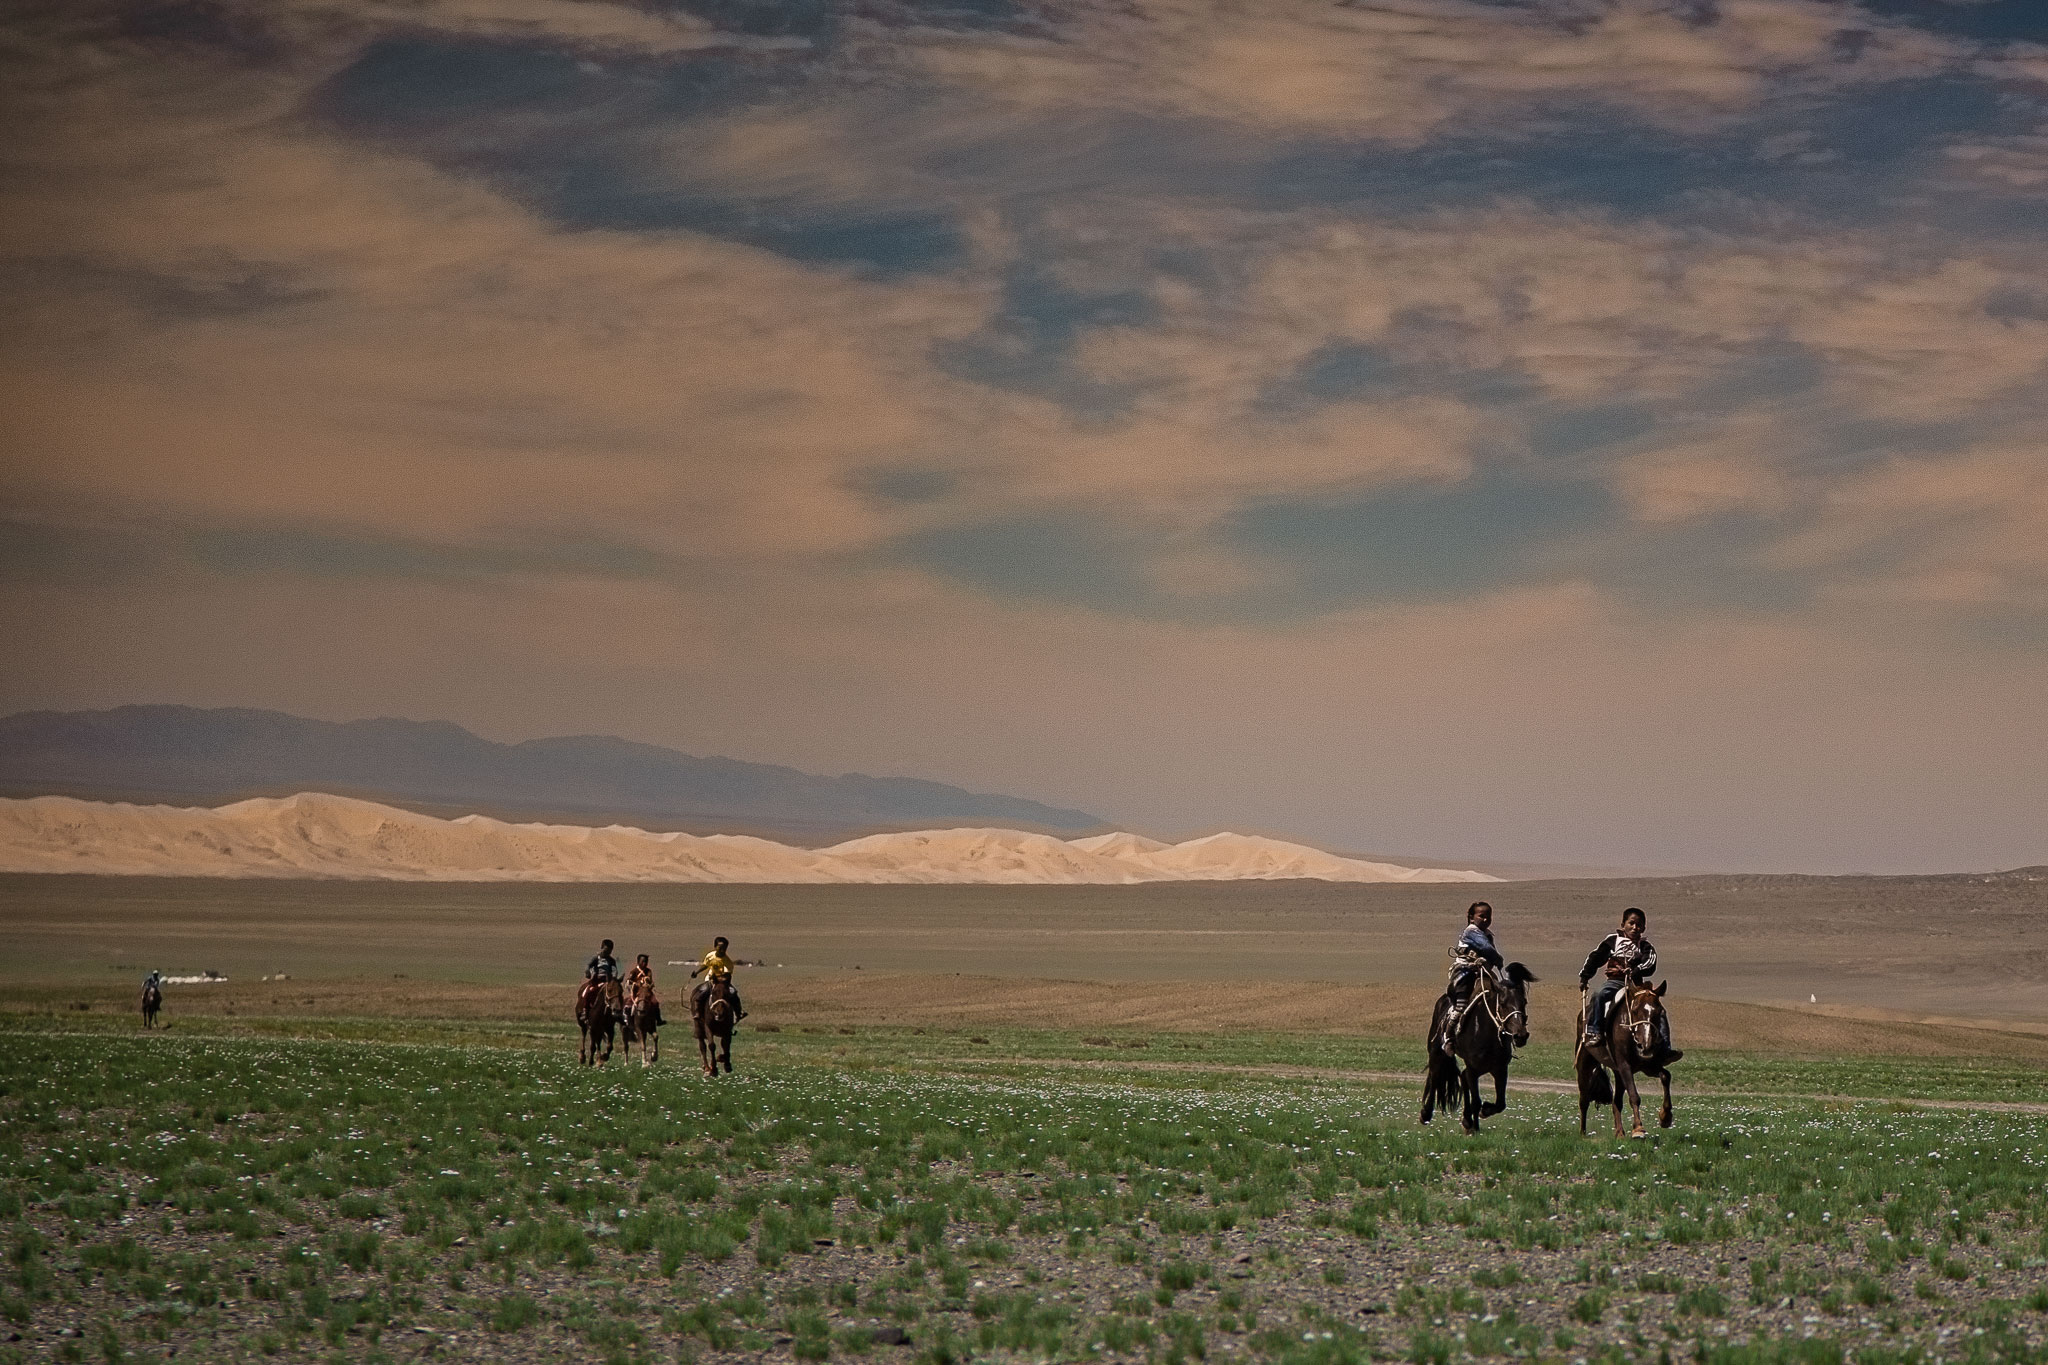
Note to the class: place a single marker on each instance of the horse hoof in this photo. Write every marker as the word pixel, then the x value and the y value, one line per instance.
pixel 1638 1133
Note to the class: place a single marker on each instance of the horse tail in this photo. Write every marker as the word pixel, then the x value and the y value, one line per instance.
pixel 1597 1088
pixel 1441 1080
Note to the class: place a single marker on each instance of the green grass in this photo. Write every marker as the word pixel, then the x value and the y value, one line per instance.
pixel 314 1197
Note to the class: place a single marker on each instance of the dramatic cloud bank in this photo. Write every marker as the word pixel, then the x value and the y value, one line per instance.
pixel 312 835
pixel 1601 430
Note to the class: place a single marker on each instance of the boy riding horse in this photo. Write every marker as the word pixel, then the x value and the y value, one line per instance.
pixel 601 970
pixel 1473 950
pixel 1626 958
pixel 640 987
pixel 715 967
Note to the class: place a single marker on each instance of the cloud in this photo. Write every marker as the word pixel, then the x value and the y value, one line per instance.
pixel 1400 71
pixel 1967 529
pixel 1733 471
pixel 1229 457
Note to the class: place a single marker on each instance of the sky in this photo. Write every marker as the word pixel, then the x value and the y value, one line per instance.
pixel 1573 430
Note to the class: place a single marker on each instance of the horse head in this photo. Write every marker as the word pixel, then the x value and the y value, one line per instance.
pixel 1514 1025
pixel 1645 1011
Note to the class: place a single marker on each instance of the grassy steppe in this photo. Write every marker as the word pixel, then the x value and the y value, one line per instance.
pixel 1009 1194
pixel 1198 1145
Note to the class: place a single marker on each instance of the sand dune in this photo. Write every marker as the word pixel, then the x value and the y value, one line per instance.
pixel 314 835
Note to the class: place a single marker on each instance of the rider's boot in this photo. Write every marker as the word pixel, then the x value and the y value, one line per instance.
pixel 1450 1027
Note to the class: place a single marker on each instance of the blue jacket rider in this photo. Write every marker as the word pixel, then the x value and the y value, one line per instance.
pixel 603 967
pixel 1473 950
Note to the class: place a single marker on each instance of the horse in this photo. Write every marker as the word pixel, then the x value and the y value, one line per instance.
pixel 1637 1041
pixel 1488 1032
pixel 152 1001
pixel 641 1023
pixel 712 1015
pixel 599 1006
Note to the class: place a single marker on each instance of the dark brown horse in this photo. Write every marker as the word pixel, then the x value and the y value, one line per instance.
pixel 1635 1041
pixel 152 1001
pixel 713 1015
pixel 1488 1032
pixel 598 1008
pixel 641 1023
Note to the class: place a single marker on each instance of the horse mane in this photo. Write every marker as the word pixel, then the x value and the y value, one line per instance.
pixel 1519 974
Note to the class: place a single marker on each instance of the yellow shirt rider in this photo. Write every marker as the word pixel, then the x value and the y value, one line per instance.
pixel 715 966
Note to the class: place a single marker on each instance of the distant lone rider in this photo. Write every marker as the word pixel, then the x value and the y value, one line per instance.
pixel 1473 950
pixel 639 981
pixel 1624 956
pixel 717 966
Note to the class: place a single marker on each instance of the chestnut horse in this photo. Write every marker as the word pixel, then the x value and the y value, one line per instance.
pixel 713 1016
pixel 1493 1025
pixel 599 1006
pixel 1636 1040
pixel 641 1023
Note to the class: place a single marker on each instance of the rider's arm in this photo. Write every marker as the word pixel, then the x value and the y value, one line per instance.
pixel 1475 943
pixel 1645 965
pixel 1594 960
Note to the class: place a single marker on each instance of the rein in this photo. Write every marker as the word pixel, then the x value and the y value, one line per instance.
pixel 1638 1030
pixel 1486 995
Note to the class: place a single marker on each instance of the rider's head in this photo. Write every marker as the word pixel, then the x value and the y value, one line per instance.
pixel 605 947
pixel 1634 921
pixel 1479 913
pixel 643 959
pixel 719 943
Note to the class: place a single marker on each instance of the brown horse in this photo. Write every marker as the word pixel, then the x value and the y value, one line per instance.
pixel 713 1016
pixel 152 1001
pixel 1636 1040
pixel 599 1006
pixel 641 1023
pixel 1488 1032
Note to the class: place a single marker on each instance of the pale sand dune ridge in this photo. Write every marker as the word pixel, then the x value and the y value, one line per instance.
pixel 316 835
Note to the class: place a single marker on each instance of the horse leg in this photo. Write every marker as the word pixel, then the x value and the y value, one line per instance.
pixel 1500 1092
pixel 1626 1074
pixel 1664 1114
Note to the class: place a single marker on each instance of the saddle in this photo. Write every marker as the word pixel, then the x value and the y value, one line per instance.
pixel 591 990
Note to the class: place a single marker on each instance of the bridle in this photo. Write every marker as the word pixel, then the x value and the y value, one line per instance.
pixel 1639 1030
pixel 1514 1014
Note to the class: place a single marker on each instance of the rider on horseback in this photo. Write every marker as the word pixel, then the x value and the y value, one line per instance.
pixel 1473 950
pixel 639 980
pixel 601 970
pixel 1625 956
pixel 715 967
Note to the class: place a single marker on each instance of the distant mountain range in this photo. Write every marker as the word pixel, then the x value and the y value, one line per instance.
pixel 191 756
